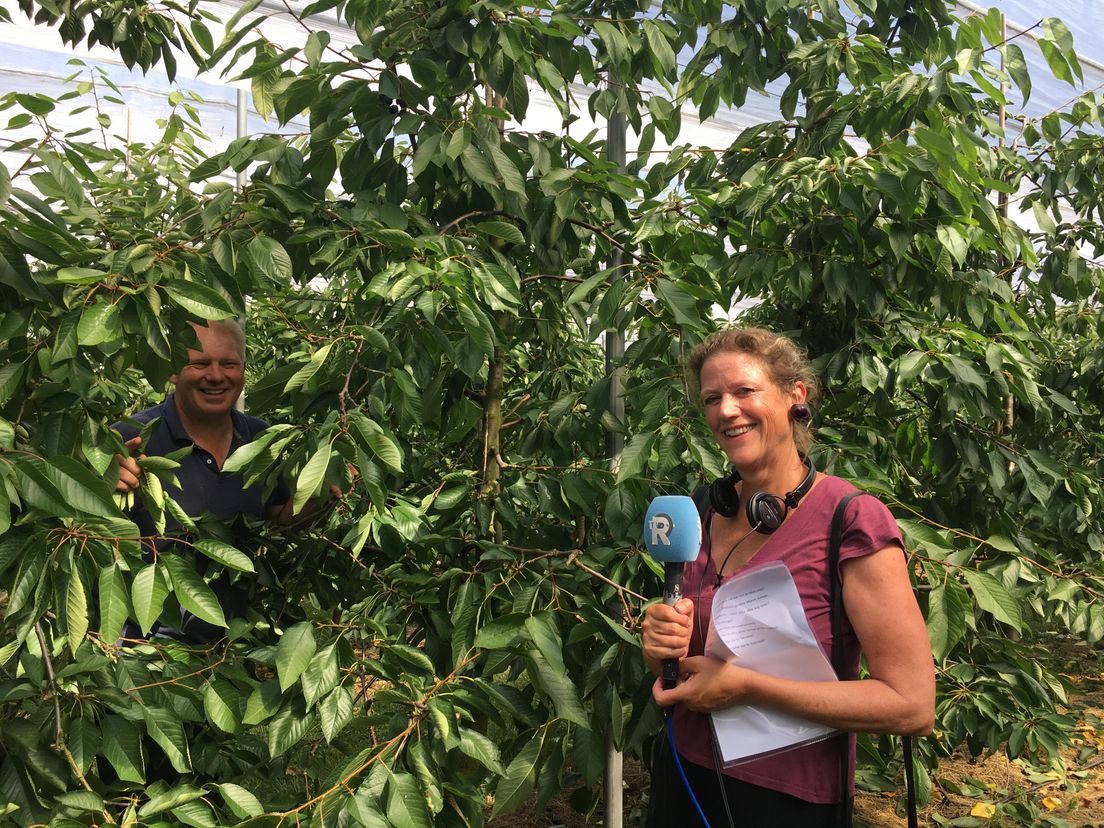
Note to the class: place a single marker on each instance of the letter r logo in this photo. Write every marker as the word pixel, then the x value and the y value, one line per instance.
pixel 660 526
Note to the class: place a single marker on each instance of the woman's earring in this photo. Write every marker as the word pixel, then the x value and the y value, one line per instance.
pixel 800 413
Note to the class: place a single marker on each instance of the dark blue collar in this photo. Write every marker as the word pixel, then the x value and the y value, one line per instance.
pixel 171 418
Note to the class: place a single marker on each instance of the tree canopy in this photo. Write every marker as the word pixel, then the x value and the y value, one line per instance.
pixel 426 285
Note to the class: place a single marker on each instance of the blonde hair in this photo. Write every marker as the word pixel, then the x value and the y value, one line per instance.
pixel 230 327
pixel 785 361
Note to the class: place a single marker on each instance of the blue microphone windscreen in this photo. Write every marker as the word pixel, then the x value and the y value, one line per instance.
pixel 672 529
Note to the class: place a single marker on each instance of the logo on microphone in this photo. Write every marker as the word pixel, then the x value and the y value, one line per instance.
pixel 660 526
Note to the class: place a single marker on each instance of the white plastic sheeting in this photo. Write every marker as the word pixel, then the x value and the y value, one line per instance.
pixel 33 59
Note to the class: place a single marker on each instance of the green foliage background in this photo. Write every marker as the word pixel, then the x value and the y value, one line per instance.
pixel 427 287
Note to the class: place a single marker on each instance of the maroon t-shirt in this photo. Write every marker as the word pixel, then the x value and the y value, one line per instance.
pixel 801 543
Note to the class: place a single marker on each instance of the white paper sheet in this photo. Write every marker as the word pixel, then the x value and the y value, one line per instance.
pixel 759 623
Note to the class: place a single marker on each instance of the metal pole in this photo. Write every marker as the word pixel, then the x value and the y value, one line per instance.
pixel 242 131
pixel 616 132
pixel 243 128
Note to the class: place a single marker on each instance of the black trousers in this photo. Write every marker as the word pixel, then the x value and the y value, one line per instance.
pixel 669 804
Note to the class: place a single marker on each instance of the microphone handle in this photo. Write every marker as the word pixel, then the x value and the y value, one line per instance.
pixel 672 592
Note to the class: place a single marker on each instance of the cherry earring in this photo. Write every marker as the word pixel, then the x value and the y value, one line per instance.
pixel 800 413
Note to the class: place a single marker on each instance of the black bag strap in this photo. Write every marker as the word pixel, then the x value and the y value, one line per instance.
pixel 700 496
pixel 847 803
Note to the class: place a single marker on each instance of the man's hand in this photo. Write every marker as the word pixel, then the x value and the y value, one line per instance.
pixel 130 473
pixel 313 511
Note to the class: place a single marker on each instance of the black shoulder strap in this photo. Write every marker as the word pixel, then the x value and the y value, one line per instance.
pixel 700 496
pixel 835 539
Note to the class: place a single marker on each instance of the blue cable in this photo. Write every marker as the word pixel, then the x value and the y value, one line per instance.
pixel 682 773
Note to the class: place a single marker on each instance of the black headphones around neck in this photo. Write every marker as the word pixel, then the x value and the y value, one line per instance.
pixel 765 511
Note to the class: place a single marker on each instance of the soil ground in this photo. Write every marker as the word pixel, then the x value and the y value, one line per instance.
pixel 1074 798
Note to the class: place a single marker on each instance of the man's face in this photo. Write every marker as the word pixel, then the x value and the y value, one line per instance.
pixel 209 385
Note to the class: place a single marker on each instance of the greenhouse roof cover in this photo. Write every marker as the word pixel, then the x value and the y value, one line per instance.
pixel 34 59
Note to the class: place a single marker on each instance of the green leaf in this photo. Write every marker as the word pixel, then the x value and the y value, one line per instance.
pixel 261 87
pixel 501 230
pixel 948 606
pixel 501 632
pixel 81 800
pixel 5 185
pixel 83 739
pixel 8 650
pixel 406 805
pixel 663 56
pixel 681 303
pixel 247 453
pixel 1017 69
pixel 1003 544
pixel 269 261
pixel 196 814
pixel 507 170
pixel 501 287
pixel 991 595
pixel 377 441
pixel 634 457
pixel 335 711
pixel 476 166
pixel 583 290
pixel 80 488
pixel 122 747
pixel 296 648
pixel 27 582
pixel 200 300
pixel 304 374
pixel 114 606
pixel 622 512
pixel 558 687
pixel 285 731
pixel 240 801
pixel 225 554
pixel 321 675
pixel 481 749
pixel 192 591
pixel 516 784
pixel 364 809
pixel 476 325
pixel 80 276
pixel 544 635
pixel 171 798
pixel 222 703
pixel 11 378
pixel 99 323
pixel 263 702
pixel 165 728
pixel 148 591
pixel 311 477
pixel 955 243
pixel 614 40
pixel 929 540
pixel 76 612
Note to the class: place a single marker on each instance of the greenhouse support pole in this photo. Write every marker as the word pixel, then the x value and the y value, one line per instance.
pixel 1002 200
pixel 243 128
pixel 616 131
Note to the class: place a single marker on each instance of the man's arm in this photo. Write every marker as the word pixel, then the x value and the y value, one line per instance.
pixel 283 514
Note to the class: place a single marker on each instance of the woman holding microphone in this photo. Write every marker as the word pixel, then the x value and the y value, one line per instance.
pixel 755 387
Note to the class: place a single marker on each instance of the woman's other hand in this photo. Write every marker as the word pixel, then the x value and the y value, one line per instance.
pixel 705 684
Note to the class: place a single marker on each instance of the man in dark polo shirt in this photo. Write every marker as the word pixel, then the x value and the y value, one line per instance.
pixel 200 414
